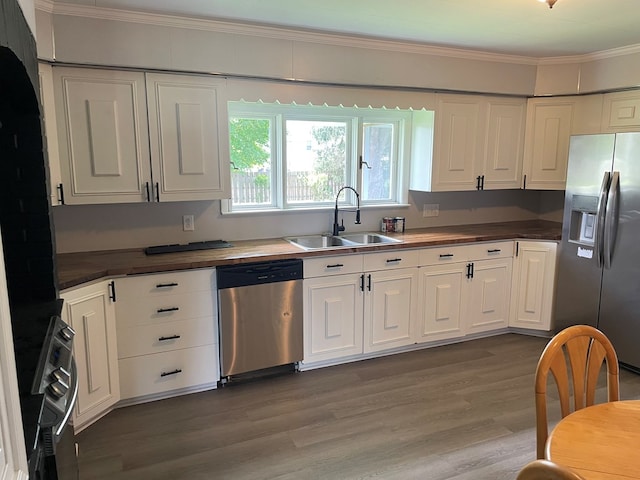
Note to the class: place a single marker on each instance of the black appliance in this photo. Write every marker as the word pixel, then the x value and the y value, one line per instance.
pixel 29 252
pixel 48 387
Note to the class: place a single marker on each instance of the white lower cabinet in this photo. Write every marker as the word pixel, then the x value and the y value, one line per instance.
pixel 533 285
pixel 167 333
pixel 441 302
pixel 168 371
pixel 357 304
pixel 91 313
pixel 463 290
pixel 490 295
pixel 390 294
pixel 333 310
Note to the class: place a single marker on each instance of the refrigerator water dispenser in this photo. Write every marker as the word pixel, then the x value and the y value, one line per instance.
pixel 584 211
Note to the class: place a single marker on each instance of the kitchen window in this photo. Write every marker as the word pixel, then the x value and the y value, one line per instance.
pixel 286 157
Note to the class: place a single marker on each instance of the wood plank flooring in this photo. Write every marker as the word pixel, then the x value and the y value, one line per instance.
pixel 462 411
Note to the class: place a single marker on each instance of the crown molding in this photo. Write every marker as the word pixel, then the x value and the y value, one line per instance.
pixel 288 34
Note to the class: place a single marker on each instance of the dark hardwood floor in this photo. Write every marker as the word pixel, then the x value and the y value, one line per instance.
pixel 462 411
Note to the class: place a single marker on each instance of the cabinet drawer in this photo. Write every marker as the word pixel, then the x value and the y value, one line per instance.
pixel 390 260
pixel 159 284
pixel 466 253
pixel 163 372
pixel 442 255
pixel 146 339
pixel 165 308
pixel 322 266
pixel 486 251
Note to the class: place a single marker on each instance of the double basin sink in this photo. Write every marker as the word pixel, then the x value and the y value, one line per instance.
pixel 319 242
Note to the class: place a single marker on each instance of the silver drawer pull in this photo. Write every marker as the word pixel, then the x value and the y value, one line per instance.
pixel 336 265
pixel 174 372
pixel 165 285
pixel 172 337
pixel 393 260
pixel 170 309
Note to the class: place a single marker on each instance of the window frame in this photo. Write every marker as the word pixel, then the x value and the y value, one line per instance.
pixel 355 118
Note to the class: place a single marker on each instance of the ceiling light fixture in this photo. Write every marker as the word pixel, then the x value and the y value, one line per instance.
pixel 551 3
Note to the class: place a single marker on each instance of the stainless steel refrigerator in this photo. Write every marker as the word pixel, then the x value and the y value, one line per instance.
pixel 598 279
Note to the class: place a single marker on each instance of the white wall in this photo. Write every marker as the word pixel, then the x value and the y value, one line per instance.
pixel 105 227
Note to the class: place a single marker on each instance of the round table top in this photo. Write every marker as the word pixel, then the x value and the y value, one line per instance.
pixel 601 442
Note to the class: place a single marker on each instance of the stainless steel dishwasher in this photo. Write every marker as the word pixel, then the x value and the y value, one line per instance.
pixel 260 316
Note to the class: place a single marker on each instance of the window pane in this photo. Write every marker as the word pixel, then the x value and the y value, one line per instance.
pixel 316 160
pixel 251 173
pixel 377 151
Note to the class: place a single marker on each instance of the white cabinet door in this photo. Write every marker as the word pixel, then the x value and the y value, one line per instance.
pixel 91 313
pixel 547 143
pixel 389 311
pixel 533 285
pixel 50 133
pixel 457 144
pixel 479 143
pixel 442 302
pixel 333 314
pixel 188 141
pixel 489 295
pixel 502 166
pixel 621 112
pixel 103 138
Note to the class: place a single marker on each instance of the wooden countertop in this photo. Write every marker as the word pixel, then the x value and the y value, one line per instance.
pixel 76 268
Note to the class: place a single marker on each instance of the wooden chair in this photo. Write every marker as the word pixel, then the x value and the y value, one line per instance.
pixel 584 348
pixel 546 470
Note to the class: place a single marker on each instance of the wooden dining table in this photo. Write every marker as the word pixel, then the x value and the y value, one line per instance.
pixel 600 442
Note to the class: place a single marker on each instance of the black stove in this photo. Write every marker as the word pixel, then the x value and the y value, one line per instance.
pixel 30 326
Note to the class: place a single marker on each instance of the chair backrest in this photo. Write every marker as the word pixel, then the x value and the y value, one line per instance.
pixel 584 349
pixel 546 470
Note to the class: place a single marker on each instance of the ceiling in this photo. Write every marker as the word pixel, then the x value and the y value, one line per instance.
pixel 517 27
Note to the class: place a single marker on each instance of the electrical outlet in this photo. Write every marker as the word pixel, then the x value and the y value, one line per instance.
pixel 188 225
pixel 430 209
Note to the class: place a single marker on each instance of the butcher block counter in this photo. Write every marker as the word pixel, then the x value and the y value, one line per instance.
pixel 77 268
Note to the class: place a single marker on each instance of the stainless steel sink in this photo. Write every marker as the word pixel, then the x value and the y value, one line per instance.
pixel 369 238
pixel 314 242
pixel 317 242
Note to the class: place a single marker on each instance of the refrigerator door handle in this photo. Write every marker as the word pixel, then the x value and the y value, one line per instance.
pixel 611 219
pixel 602 206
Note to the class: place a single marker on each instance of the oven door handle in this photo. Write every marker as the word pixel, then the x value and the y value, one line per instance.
pixel 72 399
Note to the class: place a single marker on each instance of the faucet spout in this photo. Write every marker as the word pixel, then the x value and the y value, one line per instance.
pixel 337 228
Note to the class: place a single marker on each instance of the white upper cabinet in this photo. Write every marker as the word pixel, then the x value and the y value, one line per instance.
pixel 547 143
pixel 502 160
pixel 477 144
pixel 113 151
pixel 456 150
pixel 621 112
pixel 103 140
pixel 187 140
